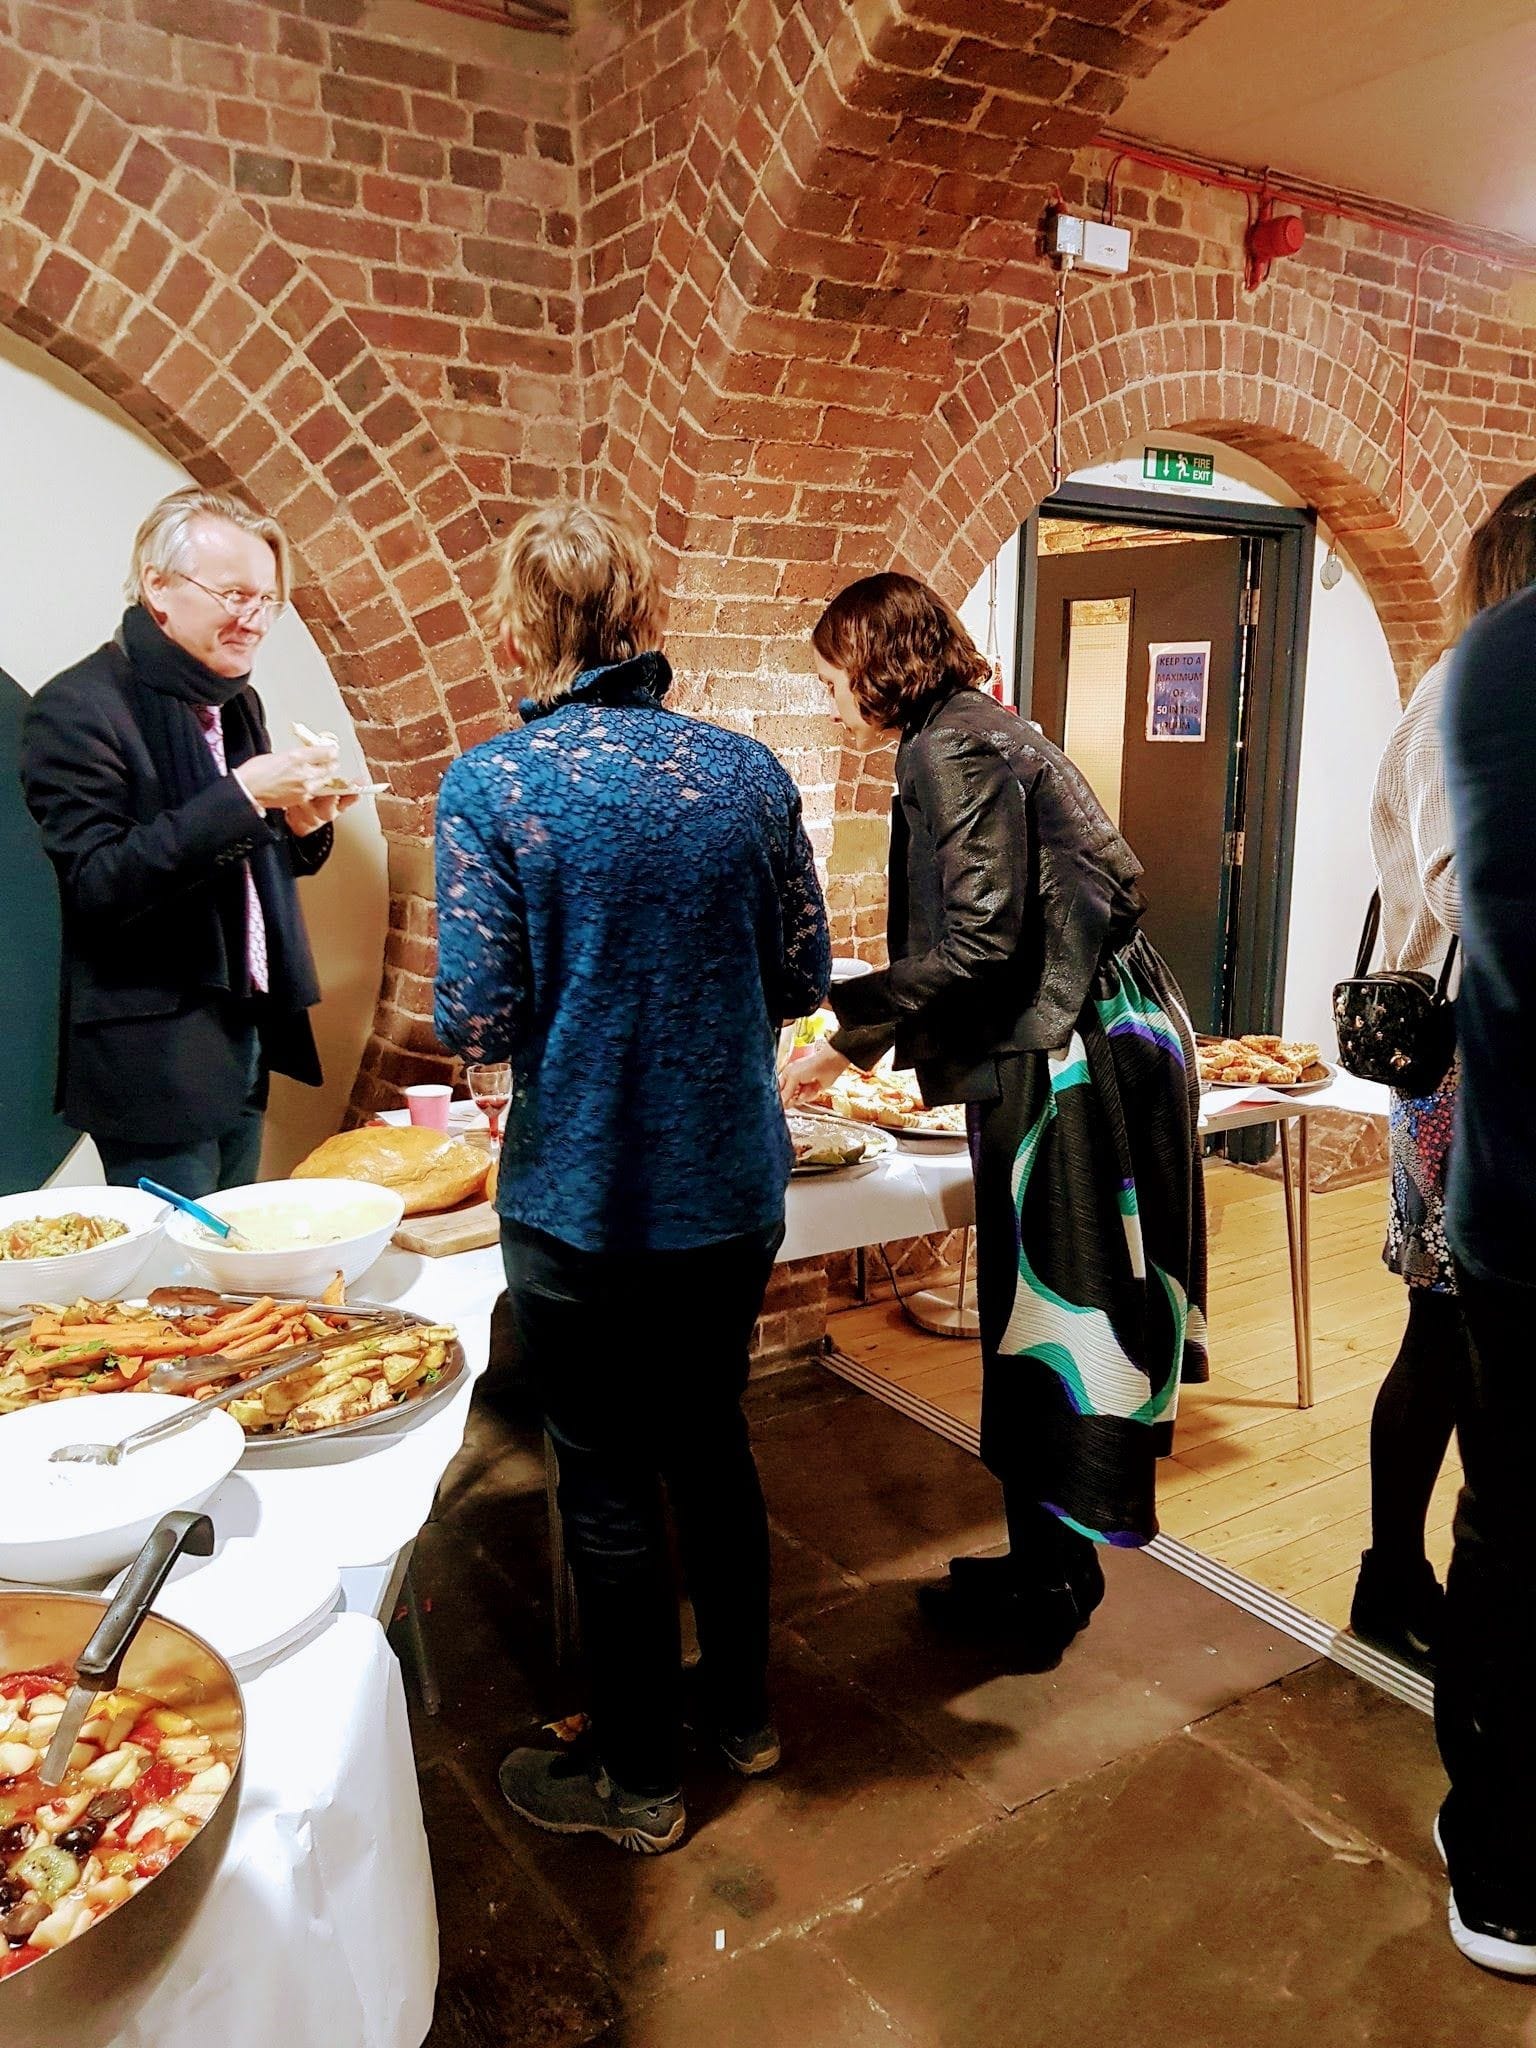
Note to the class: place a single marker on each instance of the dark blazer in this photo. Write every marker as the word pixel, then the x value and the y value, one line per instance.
pixel 1008 885
pixel 149 995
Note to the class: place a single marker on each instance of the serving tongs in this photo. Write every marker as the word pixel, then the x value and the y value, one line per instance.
pixel 99 1663
pixel 171 1380
pixel 197 1372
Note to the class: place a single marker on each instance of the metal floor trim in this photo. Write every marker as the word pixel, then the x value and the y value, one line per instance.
pixel 1376 1667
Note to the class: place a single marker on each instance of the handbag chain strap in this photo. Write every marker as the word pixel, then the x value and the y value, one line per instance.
pixel 1372 931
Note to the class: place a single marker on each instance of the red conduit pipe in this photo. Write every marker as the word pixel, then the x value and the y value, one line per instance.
pixel 529 14
pixel 1320 199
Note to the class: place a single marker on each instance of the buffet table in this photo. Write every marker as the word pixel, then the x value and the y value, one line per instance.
pixel 912 1192
pixel 320 1928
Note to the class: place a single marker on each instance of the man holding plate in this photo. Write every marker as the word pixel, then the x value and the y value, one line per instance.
pixel 176 833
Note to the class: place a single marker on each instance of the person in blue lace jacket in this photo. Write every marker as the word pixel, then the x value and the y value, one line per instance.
pixel 627 912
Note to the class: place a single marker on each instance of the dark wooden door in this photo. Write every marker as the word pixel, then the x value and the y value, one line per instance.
pixel 1172 781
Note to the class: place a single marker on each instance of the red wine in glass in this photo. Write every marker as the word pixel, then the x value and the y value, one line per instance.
pixel 491 1087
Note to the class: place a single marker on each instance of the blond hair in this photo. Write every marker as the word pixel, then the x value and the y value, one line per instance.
pixel 575 590
pixel 166 539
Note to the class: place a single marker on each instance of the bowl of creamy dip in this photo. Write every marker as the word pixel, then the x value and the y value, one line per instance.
pixel 302 1233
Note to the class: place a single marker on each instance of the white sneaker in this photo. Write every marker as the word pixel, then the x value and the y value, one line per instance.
pixel 1511 1951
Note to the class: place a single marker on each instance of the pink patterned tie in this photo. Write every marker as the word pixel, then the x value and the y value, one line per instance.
pixel 255 926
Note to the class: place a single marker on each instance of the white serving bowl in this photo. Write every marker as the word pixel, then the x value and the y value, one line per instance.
pixel 98 1274
pixel 303 1268
pixel 67 1525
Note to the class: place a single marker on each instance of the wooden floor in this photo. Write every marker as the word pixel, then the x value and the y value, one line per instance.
pixel 1279 1494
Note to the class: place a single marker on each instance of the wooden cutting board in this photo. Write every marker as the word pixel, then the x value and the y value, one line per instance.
pixel 456 1230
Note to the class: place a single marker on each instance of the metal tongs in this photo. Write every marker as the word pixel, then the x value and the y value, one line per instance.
pixel 98 1664
pixel 172 1379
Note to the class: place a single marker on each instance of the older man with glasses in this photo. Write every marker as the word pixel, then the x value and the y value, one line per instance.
pixel 176 833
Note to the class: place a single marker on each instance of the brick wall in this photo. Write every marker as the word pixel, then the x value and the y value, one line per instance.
pixel 764 271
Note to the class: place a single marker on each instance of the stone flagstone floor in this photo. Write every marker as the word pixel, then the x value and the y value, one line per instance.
pixel 1184 1837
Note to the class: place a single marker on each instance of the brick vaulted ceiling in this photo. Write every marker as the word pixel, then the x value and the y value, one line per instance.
pixel 764 271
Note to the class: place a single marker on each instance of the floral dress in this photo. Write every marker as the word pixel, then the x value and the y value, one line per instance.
pixel 1419 1130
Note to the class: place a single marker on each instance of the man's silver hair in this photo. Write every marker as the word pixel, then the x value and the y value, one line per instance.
pixel 167 540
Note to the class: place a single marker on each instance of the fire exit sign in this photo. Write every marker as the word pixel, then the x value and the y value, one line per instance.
pixel 1177 466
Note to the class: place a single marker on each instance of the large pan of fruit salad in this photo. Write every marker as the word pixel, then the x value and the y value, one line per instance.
pixel 101 1872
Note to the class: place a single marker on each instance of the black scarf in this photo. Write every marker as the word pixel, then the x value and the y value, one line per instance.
pixel 174 685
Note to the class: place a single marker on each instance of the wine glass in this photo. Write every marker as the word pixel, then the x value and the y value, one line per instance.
pixel 491 1087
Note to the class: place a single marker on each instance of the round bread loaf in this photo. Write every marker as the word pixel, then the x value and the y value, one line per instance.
pixel 429 1169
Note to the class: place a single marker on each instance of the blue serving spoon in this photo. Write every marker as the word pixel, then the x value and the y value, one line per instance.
pixel 198 1213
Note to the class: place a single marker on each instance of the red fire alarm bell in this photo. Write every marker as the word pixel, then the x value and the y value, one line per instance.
pixel 1272 235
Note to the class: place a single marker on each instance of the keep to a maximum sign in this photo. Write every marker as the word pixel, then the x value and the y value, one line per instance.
pixel 1177 466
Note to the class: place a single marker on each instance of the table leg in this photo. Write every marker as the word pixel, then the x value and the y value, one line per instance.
pixel 416 1641
pixel 861 1273
pixel 1304 1232
pixel 1297 1222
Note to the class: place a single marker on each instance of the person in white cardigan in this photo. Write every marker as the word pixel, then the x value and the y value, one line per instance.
pixel 1398 1598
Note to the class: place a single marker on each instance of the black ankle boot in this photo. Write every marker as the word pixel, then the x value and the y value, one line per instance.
pixel 1398 1608
pixel 1027 1622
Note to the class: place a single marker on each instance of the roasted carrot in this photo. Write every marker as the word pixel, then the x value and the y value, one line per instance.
pixel 253 1347
pixel 254 1312
pixel 124 1334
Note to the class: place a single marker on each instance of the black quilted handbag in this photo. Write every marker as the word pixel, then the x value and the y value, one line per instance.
pixel 1396 1027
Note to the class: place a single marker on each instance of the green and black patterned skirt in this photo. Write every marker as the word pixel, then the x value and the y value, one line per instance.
pixel 1090 1253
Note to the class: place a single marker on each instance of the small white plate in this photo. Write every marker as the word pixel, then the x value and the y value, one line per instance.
pixel 251 1599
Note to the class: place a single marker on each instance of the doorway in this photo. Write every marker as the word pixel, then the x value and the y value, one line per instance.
pixel 1162 646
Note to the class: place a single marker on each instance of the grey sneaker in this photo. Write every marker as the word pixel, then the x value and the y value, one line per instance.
pixel 1486 1934
pixel 574 1795
pixel 754 1754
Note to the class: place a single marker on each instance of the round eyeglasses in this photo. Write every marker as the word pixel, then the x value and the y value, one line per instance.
pixel 238 602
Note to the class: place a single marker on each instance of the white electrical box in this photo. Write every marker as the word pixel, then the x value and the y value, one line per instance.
pixel 1088 244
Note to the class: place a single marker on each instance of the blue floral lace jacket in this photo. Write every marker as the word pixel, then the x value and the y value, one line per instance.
pixel 627 910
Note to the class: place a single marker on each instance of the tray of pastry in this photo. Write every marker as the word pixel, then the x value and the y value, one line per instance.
pixel 1262 1060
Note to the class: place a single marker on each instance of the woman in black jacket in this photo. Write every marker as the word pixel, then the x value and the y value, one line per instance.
pixel 1020 986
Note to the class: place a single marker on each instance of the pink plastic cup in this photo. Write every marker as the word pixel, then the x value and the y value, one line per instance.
pixel 428 1104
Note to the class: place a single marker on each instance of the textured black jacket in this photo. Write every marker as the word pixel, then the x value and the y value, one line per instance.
pixel 1008 885
pixel 145 1053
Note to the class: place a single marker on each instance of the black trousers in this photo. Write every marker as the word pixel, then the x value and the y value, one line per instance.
pixel 1485 1688
pixel 641 1362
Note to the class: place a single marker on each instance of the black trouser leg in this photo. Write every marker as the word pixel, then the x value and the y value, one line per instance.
pixel 712 1482
pixel 1485 1689
pixel 624 1404
pixel 1411 1426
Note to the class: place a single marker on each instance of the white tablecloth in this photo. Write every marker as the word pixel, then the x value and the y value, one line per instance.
pixel 1236 1109
pixel 320 1929
pixel 906 1193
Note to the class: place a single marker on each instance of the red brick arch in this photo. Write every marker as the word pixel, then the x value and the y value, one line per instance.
pixel 170 298
pixel 1293 383
pixel 851 165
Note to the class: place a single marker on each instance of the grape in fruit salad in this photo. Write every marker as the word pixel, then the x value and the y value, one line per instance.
pixel 141 1782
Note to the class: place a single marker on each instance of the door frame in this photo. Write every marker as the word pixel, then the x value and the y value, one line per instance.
pixel 1276 690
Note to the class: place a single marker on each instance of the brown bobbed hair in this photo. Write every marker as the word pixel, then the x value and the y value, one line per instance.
pixel 900 646
pixel 1500 558
pixel 575 589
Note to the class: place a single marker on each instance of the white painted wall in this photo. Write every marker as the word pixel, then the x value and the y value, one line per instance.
pixel 78 478
pixel 983 625
pixel 1350 707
